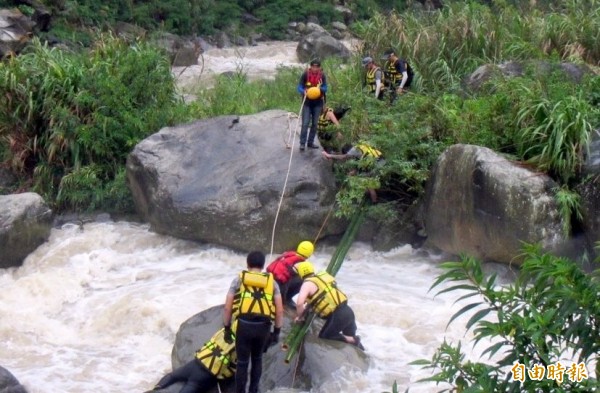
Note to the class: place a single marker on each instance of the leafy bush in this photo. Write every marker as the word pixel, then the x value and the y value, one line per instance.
pixel 550 314
pixel 69 120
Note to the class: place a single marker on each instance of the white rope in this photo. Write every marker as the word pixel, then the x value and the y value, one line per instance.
pixel 287 175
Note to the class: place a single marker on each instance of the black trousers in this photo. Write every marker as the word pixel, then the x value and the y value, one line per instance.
pixel 340 321
pixel 290 288
pixel 196 378
pixel 250 340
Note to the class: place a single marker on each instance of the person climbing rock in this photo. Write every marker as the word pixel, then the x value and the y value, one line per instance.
pixel 214 362
pixel 282 269
pixel 320 293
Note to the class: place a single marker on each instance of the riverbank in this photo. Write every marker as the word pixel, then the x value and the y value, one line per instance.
pixel 256 62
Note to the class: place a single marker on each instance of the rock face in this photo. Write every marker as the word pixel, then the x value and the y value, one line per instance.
pixel 220 181
pixel 573 72
pixel 25 222
pixel 483 205
pixel 8 383
pixel 320 44
pixel 321 358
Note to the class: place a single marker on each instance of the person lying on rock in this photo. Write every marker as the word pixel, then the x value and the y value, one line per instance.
pixel 214 362
pixel 320 293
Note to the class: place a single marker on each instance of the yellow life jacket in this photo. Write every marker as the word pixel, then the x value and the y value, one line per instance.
pixel 255 296
pixel 324 122
pixel 328 297
pixel 371 85
pixel 368 151
pixel 391 72
pixel 217 356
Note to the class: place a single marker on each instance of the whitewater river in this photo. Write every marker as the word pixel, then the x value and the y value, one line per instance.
pixel 96 309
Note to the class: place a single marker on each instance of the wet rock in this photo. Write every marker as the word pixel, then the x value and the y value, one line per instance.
pixel 8 383
pixel 25 223
pixel 481 204
pixel 321 45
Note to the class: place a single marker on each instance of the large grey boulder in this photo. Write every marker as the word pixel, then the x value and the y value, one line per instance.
pixel 16 30
pixel 8 383
pixel 590 191
pixel 572 72
pixel 320 44
pixel 25 223
pixel 220 181
pixel 481 204
pixel 318 361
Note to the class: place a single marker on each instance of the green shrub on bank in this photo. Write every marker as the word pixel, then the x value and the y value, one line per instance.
pixel 534 329
pixel 69 120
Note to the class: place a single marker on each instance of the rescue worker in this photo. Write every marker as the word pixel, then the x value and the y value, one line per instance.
pixel 374 78
pixel 254 301
pixel 320 293
pixel 214 362
pixel 398 74
pixel 369 157
pixel 313 87
pixel 328 119
pixel 282 269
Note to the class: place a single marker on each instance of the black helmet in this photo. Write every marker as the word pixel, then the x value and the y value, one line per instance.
pixel 316 62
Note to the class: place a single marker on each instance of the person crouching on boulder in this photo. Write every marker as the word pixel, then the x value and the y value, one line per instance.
pixel 320 293
pixel 214 362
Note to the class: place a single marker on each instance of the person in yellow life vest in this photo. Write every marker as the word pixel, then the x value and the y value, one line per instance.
pixel 398 73
pixel 328 120
pixel 374 78
pixel 254 301
pixel 215 361
pixel 283 272
pixel 320 294
pixel 370 158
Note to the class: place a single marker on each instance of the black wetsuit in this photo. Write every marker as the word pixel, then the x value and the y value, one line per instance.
pixel 250 341
pixel 194 375
pixel 341 320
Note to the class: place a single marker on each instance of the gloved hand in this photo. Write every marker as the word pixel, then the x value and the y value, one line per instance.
pixel 228 335
pixel 275 336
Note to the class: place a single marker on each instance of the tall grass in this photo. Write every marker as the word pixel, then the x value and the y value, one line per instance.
pixel 70 119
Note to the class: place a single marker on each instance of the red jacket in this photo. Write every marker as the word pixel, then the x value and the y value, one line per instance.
pixel 281 268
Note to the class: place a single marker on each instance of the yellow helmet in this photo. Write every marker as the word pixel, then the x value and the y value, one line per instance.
pixel 304 268
pixel 305 249
pixel 313 93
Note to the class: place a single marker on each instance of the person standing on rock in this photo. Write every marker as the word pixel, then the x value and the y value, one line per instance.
pixel 214 362
pixel 312 87
pixel 282 269
pixel 254 302
pixel 320 293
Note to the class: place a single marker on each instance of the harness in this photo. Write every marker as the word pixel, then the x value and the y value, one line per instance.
pixel 324 122
pixel 372 86
pixel 313 78
pixel 218 356
pixel 368 151
pixel 281 267
pixel 255 296
pixel 328 297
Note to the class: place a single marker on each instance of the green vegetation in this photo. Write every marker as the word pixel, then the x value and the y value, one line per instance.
pixel 68 121
pixel 550 315
pixel 541 118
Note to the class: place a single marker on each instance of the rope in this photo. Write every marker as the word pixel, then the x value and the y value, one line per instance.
pixel 287 175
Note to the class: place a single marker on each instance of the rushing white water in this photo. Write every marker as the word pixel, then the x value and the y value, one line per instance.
pixel 97 309
pixel 256 62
